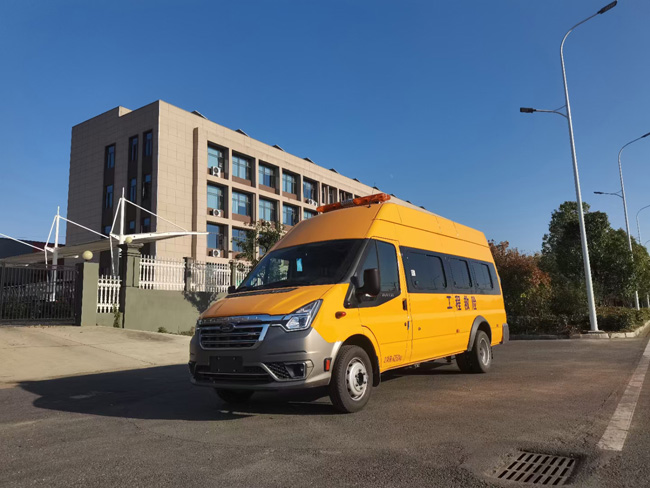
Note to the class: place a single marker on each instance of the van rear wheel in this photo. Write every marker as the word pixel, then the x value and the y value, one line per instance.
pixel 234 396
pixel 479 359
pixel 351 381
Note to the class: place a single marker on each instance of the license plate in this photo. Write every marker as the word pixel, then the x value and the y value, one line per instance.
pixel 226 364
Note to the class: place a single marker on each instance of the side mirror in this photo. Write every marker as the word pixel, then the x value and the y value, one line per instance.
pixel 371 284
pixel 231 289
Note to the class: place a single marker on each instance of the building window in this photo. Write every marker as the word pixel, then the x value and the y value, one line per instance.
pixel 107 230
pixel 241 203
pixel 133 189
pixel 147 149
pixel 289 183
pixel 215 197
pixel 146 187
pixel 290 215
pixel 109 156
pixel 332 194
pixel 267 210
pixel 131 226
pixel 133 149
pixel 215 236
pixel 344 195
pixel 308 214
pixel 266 176
pixel 215 157
pixel 309 190
pixel 238 236
pixel 146 225
pixel 241 167
pixel 108 196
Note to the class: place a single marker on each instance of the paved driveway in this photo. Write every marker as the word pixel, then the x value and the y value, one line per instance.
pixel 430 426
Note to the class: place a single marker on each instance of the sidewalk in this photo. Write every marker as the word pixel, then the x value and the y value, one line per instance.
pixel 43 352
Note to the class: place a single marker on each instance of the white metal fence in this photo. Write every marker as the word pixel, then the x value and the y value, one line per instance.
pixel 211 277
pixel 161 274
pixel 108 293
pixel 164 274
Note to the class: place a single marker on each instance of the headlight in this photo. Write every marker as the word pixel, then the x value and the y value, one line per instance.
pixel 302 318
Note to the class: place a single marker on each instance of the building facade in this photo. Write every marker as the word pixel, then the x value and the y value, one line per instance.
pixel 195 175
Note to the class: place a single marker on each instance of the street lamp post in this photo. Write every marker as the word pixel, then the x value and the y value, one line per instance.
pixel 627 223
pixel 593 320
pixel 638 227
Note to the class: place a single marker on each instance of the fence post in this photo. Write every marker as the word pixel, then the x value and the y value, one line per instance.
pixel 3 270
pixel 129 273
pixel 86 293
pixel 233 271
pixel 189 267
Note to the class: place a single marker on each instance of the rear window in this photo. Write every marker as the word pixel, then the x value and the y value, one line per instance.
pixel 483 276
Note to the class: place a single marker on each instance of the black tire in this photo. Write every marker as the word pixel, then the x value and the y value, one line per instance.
pixel 351 383
pixel 479 359
pixel 234 396
pixel 463 362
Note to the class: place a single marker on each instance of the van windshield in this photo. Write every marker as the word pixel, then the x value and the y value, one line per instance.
pixel 316 263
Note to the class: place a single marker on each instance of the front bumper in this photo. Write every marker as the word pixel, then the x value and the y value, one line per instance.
pixel 278 361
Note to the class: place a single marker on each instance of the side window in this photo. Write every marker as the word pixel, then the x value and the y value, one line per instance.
pixel 369 262
pixel 460 274
pixel 425 272
pixel 382 256
pixel 388 271
pixel 482 276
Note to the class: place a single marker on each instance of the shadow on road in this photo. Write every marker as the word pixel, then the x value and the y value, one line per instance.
pixel 165 393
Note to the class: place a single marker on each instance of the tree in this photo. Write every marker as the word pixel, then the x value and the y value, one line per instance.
pixel 526 288
pixel 614 273
pixel 262 235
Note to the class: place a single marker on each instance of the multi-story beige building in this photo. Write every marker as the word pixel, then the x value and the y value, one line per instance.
pixel 193 173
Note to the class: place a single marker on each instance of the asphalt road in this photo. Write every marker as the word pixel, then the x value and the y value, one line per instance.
pixel 431 426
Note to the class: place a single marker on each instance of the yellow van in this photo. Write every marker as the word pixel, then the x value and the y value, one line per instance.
pixel 362 288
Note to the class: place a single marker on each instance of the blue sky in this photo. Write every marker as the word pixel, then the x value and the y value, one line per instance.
pixel 420 98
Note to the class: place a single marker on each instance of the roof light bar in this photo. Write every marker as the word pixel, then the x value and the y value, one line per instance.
pixel 355 202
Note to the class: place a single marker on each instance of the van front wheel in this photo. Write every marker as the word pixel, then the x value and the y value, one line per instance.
pixel 479 359
pixel 351 382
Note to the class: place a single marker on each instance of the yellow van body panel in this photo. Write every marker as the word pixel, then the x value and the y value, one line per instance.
pixel 407 329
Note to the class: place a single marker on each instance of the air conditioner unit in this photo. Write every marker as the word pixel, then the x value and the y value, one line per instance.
pixel 215 253
pixel 216 212
pixel 312 202
pixel 216 171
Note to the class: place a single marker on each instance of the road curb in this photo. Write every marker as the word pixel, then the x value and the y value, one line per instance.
pixel 589 335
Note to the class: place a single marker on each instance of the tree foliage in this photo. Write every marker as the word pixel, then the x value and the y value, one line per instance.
pixel 526 288
pixel 262 235
pixel 614 272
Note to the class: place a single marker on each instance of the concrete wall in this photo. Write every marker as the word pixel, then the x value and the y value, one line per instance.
pixel 176 311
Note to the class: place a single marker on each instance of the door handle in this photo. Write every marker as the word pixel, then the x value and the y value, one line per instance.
pixel 405 305
pixel 407 324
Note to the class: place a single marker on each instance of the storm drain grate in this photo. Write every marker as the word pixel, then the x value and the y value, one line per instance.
pixel 539 469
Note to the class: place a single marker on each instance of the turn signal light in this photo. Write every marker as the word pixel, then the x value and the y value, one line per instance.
pixel 355 202
pixel 328 364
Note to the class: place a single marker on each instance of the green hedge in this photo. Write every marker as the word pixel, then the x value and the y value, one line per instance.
pixel 610 319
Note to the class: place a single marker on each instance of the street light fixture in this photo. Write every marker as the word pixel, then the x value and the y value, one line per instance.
pixel 616 194
pixel 638 228
pixel 627 222
pixel 593 320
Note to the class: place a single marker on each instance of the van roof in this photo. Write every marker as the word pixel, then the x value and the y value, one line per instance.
pixel 355 222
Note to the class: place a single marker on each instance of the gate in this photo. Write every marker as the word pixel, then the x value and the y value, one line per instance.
pixel 37 294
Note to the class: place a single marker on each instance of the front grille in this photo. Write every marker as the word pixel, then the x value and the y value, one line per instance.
pixel 238 337
pixel 279 370
pixel 251 374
